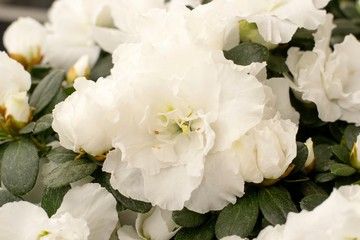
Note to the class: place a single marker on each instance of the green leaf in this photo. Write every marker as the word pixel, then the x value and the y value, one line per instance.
pixel 343 170
pixel 29 128
pixel 324 177
pixel 277 64
pixel 69 172
pixel 2 151
pixel 131 204
pixel 61 155
pixel 238 219
pixel 341 152
pixel 20 166
pixel 312 201
pixel 275 203
pixel 43 123
pixel 203 232
pixel 301 157
pixel 46 90
pixel 187 218
pixel 59 97
pixel 323 155
pixel 247 53
pixel 350 135
pixel 310 188
pixel 52 199
pixel 102 67
pixel 6 197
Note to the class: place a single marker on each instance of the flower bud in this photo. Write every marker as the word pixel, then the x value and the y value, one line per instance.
pixel 250 33
pixel 310 161
pixel 80 69
pixel 354 157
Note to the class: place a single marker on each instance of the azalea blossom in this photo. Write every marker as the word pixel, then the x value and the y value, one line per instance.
pixel 14 84
pixel 177 131
pixel 86 213
pixel 329 78
pixel 157 224
pixel 271 233
pixel 70 31
pixel 24 40
pixel 91 112
pixel 276 20
pixel 80 69
pixel 336 218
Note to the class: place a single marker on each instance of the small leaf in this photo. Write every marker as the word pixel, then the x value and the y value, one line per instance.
pixel 343 170
pixel 238 219
pixel 46 90
pixel 69 172
pixel 29 128
pixel 203 232
pixel 312 201
pixel 61 155
pixel 310 188
pixel 102 67
pixel 341 152
pixel 301 157
pixel 132 204
pixel 277 64
pixel 20 167
pixel 6 197
pixel 324 177
pixel 43 123
pixel 59 97
pixel 187 218
pixel 52 199
pixel 350 135
pixel 275 203
pixel 247 53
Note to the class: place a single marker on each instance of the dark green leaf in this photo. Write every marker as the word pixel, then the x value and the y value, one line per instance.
pixel 311 188
pixel 312 201
pixel 275 203
pixel 301 157
pixel 350 135
pixel 247 53
pixel 323 155
pixel 69 172
pixel 43 123
pixel 20 167
pixel 52 199
pixel 343 170
pixel 29 128
pixel 59 97
pixel 348 9
pixel 341 152
pixel 187 218
pixel 132 204
pixel 6 197
pixel 102 68
pixel 324 177
pixel 238 219
pixel 46 90
pixel 203 232
pixel 277 64
pixel 61 155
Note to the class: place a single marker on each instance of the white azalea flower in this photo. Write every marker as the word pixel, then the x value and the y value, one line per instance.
pixel 329 79
pixel 86 213
pixel 24 40
pixel 277 20
pixel 177 131
pixel 14 84
pixel 271 233
pixel 125 15
pixel 267 150
pixel 336 218
pixel 91 112
pixel 157 224
pixel 355 157
pixel 70 26
pixel 18 108
pixel 80 69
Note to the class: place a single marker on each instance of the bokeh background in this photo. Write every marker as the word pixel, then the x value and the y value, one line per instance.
pixel 10 10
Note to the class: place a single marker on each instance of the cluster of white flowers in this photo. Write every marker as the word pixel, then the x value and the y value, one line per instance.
pixel 176 123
